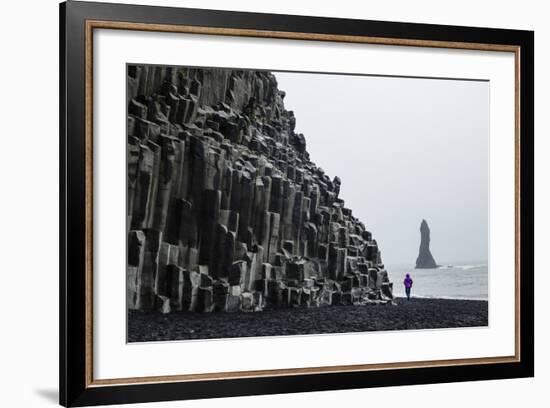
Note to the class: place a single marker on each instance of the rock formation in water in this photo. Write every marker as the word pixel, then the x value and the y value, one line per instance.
pixel 225 209
pixel 425 259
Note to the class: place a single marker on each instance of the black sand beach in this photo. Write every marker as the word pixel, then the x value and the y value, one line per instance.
pixel 417 314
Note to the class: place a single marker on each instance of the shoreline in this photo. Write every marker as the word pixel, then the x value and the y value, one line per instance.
pixel 416 314
pixel 439 298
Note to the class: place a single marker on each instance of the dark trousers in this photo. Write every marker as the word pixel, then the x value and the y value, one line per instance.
pixel 408 292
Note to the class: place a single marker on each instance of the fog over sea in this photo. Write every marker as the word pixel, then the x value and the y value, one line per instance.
pixel 464 280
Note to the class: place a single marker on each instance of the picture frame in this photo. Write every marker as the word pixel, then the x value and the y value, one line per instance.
pixel 79 21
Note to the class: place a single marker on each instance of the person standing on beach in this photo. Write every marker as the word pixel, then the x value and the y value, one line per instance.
pixel 408 282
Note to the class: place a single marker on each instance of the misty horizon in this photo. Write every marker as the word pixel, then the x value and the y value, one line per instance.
pixel 406 149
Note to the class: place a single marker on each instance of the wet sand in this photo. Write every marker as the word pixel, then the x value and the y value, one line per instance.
pixel 416 314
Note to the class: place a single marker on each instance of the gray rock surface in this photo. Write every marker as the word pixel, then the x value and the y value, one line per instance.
pixel 425 260
pixel 226 211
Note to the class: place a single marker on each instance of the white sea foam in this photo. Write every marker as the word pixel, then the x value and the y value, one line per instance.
pixel 462 267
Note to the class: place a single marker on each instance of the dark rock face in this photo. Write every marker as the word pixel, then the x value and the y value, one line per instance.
pixel 225 209
pixel 425 259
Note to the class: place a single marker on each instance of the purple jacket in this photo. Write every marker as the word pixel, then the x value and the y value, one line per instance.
pixel 408 282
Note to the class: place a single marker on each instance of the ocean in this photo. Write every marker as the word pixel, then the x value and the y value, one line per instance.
pixel 450 281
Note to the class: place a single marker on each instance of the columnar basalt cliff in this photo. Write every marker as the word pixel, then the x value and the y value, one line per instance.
pixel 225 209
pixel 425 260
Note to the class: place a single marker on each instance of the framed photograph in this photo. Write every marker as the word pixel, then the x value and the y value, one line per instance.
pixel 256 204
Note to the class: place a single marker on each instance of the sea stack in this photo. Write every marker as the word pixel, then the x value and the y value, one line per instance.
pixel 425 259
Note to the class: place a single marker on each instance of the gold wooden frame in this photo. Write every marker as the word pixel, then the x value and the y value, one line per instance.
pixel 99 24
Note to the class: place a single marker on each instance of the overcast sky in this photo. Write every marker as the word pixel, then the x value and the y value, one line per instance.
pixel 405 149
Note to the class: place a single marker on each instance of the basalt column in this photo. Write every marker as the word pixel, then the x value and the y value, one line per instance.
pixel 226 210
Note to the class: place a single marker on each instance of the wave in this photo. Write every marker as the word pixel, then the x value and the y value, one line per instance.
pixel 463 267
